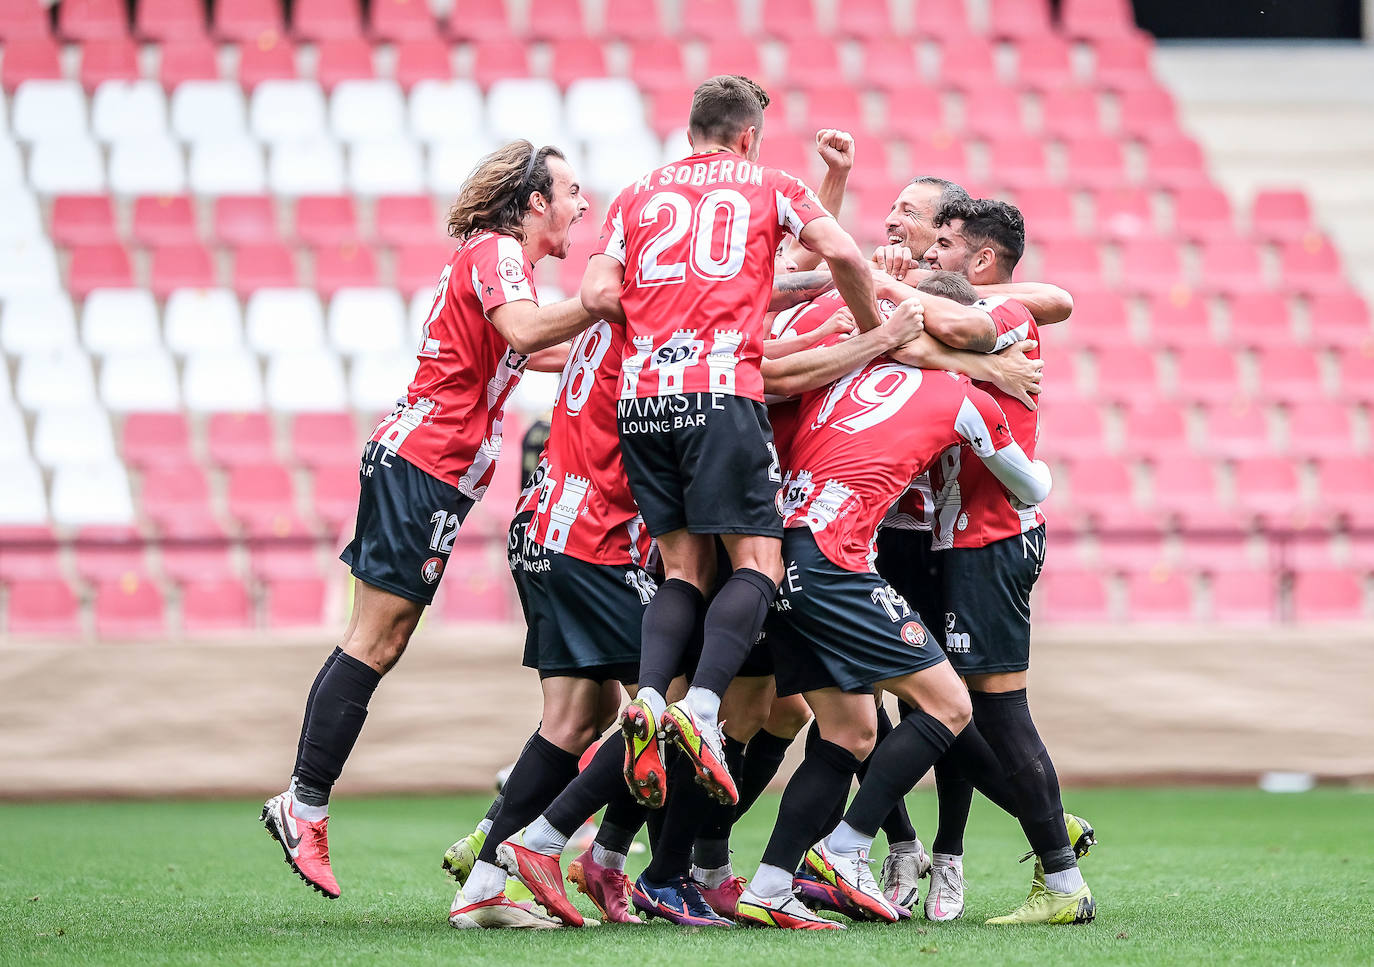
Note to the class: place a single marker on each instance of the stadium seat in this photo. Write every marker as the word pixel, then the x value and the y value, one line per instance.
pixel 72 435
pixel 1045 63
pixel 147 166
pixel 1244 596
pixel 733 54
pixel 40 322
pixel 150 441
pixel 215 605
pixel 1094 162
pixel 1123 213
pixel 376 380
pixel 184 266
pixel 1269 488
pixel 1231 265
pixel 1237 428
pixel 1343 481
pixel 1069 427
pixel 418 61
pixel 788 19
pixel 1317 428
pixel 1202 213
pixel 1091 19
pixel 295 603
pixel 28 267
pixel 29 59
pixel 499 58
pixel 304 381
pixel 572 58
pixel 260 496
pixel 47 109
pixel 404 218
pixel 366 320
pixel 1122 62
pixel 992 112
pixel 248 20
pixel 1099 321
pixel 23 21
pixel 1188 487
pixel 1176 162
pixel 281 549
pixel 266 266
pixel 476 589
pixel 169 20
pixel 614 163
pixel 25 501
pixel 208 110
pixel 66 166
pixel 530 108
pixel 93 494
pixel 175 494
pixel 813 64
pixel 1207 374
pixel 234 439
pixel 632 20
pixel 119 319
pixel 108 59
pixel 334 495
pixel 340 266
pixel 283 320
pixel 313 167
pixel 124 110
pixel 23 220
pixel 287 110
pixel 419 266
pixel 386 168
pixel 1024 20
pixel 1327 595
pixel 230 167
pixel 550 19
pixel 1067 595
pixel 339 61
pixel 325 220
pixel 58 378
pixel 97 267
pixel 108 553
pixel 1101 487
pixel 1017 160
pixel 192 59
pixel 1280 214
pixel 366 111
pixel 79 20
pixel 139 380
pixel 1339 319
pixel 83 220
pixel 1259 318
pixel 602 108
pixel 707 19
pixel 434 107
pixel 222 380
pixel 401 20
pixel 324 439
pixel 42 606
pixel 1357 373
pixel 245 220
pixel 164 220
pixel 1154 427
pixel 1149 264
pixel 129 607
pixel 1310 264
pixel 1067 112
pixel 325 19
pixel 1289 375
pixel 1159 596
pixel 271 58
pixel 1178 319
pixel 656 64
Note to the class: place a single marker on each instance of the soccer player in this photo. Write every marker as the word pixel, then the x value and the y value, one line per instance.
pixel 686 257
pixel 838 630
pixel 431 459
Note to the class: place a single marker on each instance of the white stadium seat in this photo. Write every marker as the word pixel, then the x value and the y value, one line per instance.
pixel 675 147
pixel 37 322
pixel 377 380
pixel 203 319
pixel 287 111
pixel 366 321
pixel 227 167
pixel 614 163
pixel 306 381
pixel 385 168
pixel 284 320
pixel 28 267
pixel 23 219
pixel 4 116
pixel 25 502
pixel 139 382
pixel 306 168
pixel 11 164
pixel 443 111
pixel 367 111
pixel 223 380
pixel 208 110
pixel 526 108
pixel 48 109
pixel 119 319
pixel 94 494
pixel 128 110
pixel 535 393
pixel 58 378
pixel 451 162
pixel 67 435
pixel 603 107
pixel 147 166
pixel 66 166
pixel 12 426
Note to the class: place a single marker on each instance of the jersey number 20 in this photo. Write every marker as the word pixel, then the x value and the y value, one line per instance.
pixel 723 212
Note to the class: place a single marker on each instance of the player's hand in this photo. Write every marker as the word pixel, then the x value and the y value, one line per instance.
pixel 1017 374
pixel 894 260
pixel 836 148
pixel 906 322
pixel 841 323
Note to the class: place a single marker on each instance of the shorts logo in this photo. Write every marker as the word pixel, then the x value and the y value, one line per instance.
pixel 432 569
pixel 913 634
pixel 511 270
pixel 950 618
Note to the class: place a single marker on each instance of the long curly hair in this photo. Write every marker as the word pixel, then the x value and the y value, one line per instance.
pixel 495 197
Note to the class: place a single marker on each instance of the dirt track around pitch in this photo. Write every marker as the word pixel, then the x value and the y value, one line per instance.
pixel 221 716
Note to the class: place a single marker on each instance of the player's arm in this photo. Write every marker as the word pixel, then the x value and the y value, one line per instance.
pixel 813 368
pixel 836 149
pixel 529 327
pixel 853 279
pixel 956 325
pixel 982 423
pixel 797 287
pixel 838 324
pixel 1011 370
pixel 551 360
pixel 1047 303
pixel 601 285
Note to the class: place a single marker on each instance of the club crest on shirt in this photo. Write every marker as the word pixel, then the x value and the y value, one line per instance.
pixel 511 270
pixel 913 634
pixel 432 569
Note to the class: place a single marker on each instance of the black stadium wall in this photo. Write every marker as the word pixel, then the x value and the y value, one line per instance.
pixel 1323 19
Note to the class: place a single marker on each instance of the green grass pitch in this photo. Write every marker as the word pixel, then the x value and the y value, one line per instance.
pixel 1187 876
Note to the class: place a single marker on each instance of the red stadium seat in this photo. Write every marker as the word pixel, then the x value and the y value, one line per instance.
pixel 656 64
pixel 1312 264
pixel 1244 596
pixel 1154 427
pixel 968 63
pixel 476 589
pixel 343 59
pixel 1202 213
pixel 1214 553
pixel 1123 62
pixel 632 20
pixel 185 266
pixel 1259 318
pixel 836 107
pixel 1099 320
pixel 1101 486
pixel 1146 112
pixel 170 20
pixel 286 555
pixel 574 58
pixel 248 20
pixel 98 267
pixel 1016 160
pixel 215 605
pixel 1231 265
pixel 152 440
pixel 1339 319
pixel 270 58
pixel 1237 428
pixel 405 218
pixel 189 59
pixel 1178 319
pixel 175 497
pixel 1328 595
pixel 421 60
pixel 43 606
pixel 295 603
pixel 340 266
pixel 476 20
pixel 28 552
pixel 1094 162
pixel 551 19
pixel 1070 427
pixel 1344 482
pixel 29 59
pixel 866 20
pixel 1027 21
pixel 326 220
pixel 813 63
pixel 1186 486
pixel 1289 375
pixel 947 21
pixel 1065 595
pixel 1279 214
pixel 1159 596
pixel 1091 19
pixel 419 266
pixel 197 557
pixel 164 220
pixel 1073 264
pixel 325 19
pixel 91 20
pixel 1268 487
pixel 108 60
pixel 1123 212
pixel 497 59
pixel 1318 428
pixel 84 220
pixel 1207 374
pixel 1357 374
pixel 733 55
pixel 708 19
pixel 1176 162
pixel 263 266
pixel 1048 210
pixel 237 439
pixel 325 439
pixel 890 64
pixel 129 607
pixel 334 495
pixel 668 109
pixel 245 220
pixel 788 19
pixel 1069 112
pixel 1044 63
pixel 260 493
pixel 1150 264
pixel 21 22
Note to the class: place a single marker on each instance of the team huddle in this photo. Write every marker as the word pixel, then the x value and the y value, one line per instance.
pixel 782 480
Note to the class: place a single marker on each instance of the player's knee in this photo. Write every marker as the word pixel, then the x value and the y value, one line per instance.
pixel 954 712
pixel 858 737
pixel 788 718
pixel 571 733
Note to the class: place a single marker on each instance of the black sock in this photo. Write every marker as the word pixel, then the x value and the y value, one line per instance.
pixel 683 816
pixel 712 848
pixel 901 760
pixel 335 719
pixel 832 819
pixel 670 621
pixel 733 623
pixel 1005 721
pixel 624 815
pixel 309 701
pixel 541 773
pixel 820 782
pixel 596 786
pixel 978 764
pixel 762 759
pixel 897 825
pixel 954 794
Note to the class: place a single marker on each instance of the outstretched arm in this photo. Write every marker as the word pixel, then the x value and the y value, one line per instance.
pixel 836 148
pixel 853 278
pixel 798 287
pixel 601 285
pixel 529 328
pixel 1011 370
pixel 1047 303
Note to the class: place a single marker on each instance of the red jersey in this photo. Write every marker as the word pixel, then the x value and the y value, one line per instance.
pixel 867 435
pixel 585 508
pixel 972 508
pixel 450 425
pixel 697 238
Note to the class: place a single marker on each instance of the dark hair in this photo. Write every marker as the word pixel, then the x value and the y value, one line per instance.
pixel 495 197
pixel 726 105
pixel 996 224
pixel 950 192
pixel 949 285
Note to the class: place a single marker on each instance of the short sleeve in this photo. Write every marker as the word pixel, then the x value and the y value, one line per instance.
pixel 982 423
pixel 500 273
pixel 797 204
pixel 612 240
pixel 1012 320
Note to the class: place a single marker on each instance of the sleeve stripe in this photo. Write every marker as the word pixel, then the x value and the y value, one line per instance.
pixel 1011 337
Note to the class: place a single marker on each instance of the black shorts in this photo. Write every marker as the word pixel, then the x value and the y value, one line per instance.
pixel 987 603
pixel 407 521
pixel 582 619
pixel 703 461
pixel 915 570
pixel 835 628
